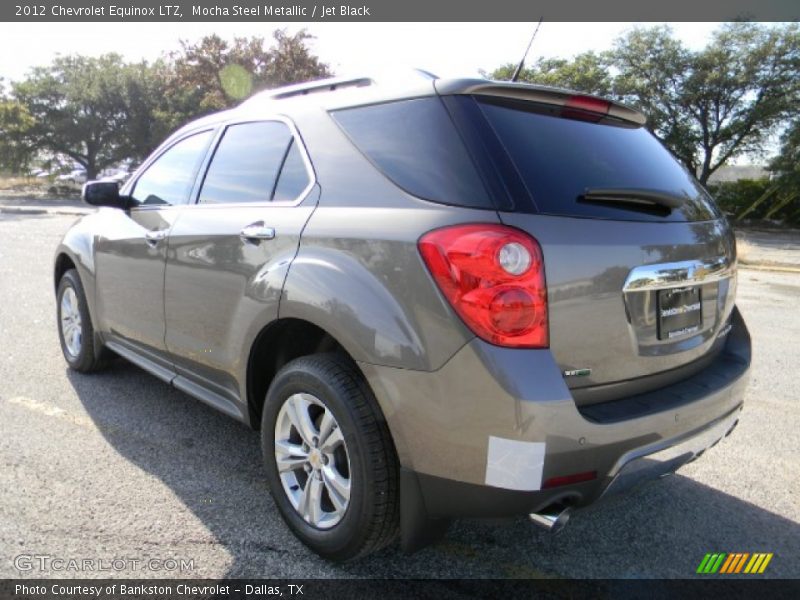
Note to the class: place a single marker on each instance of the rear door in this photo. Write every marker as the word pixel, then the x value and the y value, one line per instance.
pixel 230 251
pixel 639 262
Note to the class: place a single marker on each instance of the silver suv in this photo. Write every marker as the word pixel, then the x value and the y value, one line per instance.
pixel 459 298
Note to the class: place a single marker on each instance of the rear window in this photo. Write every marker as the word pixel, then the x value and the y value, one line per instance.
pixel 559 159
pixel 415 144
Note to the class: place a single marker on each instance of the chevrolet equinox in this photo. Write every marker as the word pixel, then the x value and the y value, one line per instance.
pixel 454 298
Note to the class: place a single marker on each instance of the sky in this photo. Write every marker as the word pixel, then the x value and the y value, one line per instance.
pixel 446 49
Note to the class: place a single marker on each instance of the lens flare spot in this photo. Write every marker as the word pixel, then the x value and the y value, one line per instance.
pixel 236 81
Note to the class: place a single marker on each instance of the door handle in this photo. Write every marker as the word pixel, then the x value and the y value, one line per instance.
pixel 153 237
pixel 257 231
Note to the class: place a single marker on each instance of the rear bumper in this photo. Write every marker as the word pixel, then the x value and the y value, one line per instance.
pixel 483 436
pixel 643 464
pixel 445 498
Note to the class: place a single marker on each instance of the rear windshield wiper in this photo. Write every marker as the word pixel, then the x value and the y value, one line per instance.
pixel 640 197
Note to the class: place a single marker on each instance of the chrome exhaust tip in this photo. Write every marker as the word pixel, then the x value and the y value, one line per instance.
pixel 552 520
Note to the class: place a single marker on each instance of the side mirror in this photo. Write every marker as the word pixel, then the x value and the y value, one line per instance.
pixel 104 193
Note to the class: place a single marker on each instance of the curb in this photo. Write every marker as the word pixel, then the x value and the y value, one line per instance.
pixel 769 267
pixel 36 210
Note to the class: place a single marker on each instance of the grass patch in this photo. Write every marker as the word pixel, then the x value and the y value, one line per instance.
pixel 35 187
pixel 22 183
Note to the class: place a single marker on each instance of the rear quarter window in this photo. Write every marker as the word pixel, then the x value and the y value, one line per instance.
pixel 415 144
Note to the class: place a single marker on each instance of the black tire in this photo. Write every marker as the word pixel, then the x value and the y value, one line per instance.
pixel 371 520
pixel 90 357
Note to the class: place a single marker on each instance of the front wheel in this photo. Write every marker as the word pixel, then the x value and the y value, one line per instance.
pixel 330 460
pixel 75 329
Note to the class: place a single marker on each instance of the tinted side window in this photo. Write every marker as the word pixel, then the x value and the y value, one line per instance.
pixel 560 158
pixel 169 179
pixel 246 163
pixel 293 178
pixel 415 144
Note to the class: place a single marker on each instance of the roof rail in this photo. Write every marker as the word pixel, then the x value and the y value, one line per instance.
pixel 310 87
pixel 330 85
pixel 313 87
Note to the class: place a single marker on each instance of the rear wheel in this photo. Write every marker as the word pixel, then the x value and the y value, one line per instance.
pixel 75 326
pixel 330 460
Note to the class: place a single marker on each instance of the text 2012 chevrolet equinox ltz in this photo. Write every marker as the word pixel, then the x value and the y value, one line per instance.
pixel 458 298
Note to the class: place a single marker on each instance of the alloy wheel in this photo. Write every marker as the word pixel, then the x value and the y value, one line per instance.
pixel 312 460
pixel 71 328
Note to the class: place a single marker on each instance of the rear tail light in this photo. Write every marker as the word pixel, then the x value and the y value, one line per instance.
pixel 493 277
pixel 585 108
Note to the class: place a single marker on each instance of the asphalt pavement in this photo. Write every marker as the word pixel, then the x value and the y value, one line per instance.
pixel 120 467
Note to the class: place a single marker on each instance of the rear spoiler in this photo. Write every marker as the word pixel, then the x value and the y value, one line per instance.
pixel 540 94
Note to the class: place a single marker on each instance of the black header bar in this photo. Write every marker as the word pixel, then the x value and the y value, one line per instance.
pixel 395 10
pixel 396 589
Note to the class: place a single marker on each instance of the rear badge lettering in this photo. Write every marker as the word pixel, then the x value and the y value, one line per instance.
pixel 680 310
pixel 577 372
pixel 684 331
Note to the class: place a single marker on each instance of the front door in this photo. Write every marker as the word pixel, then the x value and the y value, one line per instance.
pixel 130 254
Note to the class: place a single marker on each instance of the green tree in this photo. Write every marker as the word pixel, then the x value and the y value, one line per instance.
pixel 15 151
pixel 587 72
pixel 92 110
pixel 775 197
pixel 708 106
pixel 213 74
pixel 787 164
pixel 785 168
pixel 718 103
pixel 652 67
pixel 291 61
pixel 144 92
pixel 99 111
